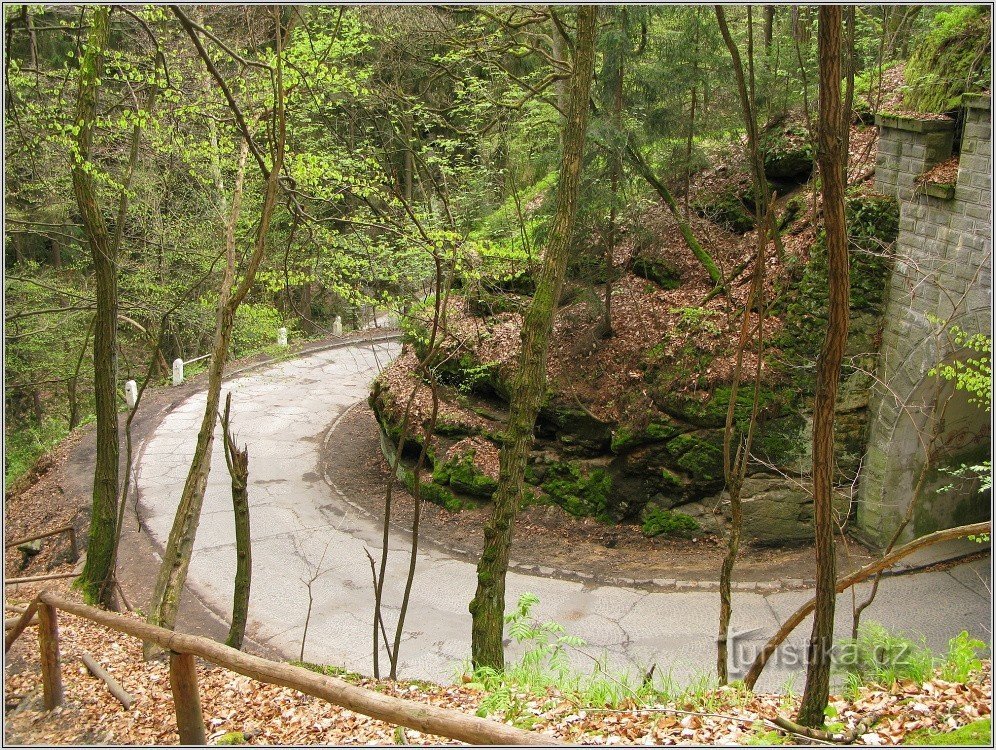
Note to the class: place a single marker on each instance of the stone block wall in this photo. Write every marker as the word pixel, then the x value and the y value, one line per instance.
pixel 941 277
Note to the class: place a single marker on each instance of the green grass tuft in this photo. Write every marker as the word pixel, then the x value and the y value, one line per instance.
pixel 977 733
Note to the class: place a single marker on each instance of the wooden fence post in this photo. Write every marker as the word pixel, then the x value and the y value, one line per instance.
pixel 186 699
pixel 72 544
pixel 48 644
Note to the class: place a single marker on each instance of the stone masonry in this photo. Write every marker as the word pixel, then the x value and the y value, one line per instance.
pixel 942 277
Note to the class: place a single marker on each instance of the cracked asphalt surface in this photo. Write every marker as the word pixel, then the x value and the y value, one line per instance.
pixel 303 526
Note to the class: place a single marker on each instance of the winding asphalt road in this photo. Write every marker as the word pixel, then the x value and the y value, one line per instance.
pixel 302 526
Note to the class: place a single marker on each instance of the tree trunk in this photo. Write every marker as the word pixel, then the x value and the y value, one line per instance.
pixel 769 22
pixel 559 53
pixel 238 468
pixel 179 547
pixel 735 463
pixel 748 108
pixel 617 166
pixel 831 154
pixel 686 231
pixel 529 387
pixel 100 547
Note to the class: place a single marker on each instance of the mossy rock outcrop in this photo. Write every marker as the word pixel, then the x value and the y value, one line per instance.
pixel 577 430
pixel 581 490
pixel 788 154
pixel 660 428
pixel 700 456
pixel 955 58
pixel 461 474
pixel 663 273
pixel 732 209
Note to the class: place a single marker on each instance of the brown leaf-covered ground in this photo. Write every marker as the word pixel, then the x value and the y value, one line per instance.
pixel 603 374
pixel 269 715
pixel 945 173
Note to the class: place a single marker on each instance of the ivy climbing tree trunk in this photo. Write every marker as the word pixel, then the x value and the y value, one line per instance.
pixel 103 516
pixel 832 153
pixel 529 385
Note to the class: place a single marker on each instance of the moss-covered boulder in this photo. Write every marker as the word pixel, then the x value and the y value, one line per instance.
pixel 788 154
pixel 709 409
pixel 579 431
pixel 663 273
pixel 581 490
pixel 699 455
pixel 731 208
pixel 657 521
pixel 659 428
pixel 461 470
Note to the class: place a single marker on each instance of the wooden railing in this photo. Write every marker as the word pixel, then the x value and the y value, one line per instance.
pixel 68 529
pixel 182 647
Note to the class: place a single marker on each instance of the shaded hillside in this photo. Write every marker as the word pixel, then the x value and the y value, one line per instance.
pixel 632 426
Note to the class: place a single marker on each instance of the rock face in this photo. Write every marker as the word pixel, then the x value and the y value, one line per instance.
pixel 661 462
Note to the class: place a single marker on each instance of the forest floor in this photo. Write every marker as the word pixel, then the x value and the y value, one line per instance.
pixel 269 715
pixel 546 535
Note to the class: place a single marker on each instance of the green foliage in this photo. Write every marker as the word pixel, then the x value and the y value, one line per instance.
pixel 765 737
pixel 657 521
pixel 962 660
pixel 27 443
pixel 955 58
pixel 545 664
pixel 579 492
pixel 974 375
pixel 878 656
pixel 255 328
pixel 231 738
pixel 694 320
pixel 978 733
pixel 329 670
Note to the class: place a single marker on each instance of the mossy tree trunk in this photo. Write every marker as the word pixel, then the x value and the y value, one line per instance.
pixel 529 385
pixel 615 67
pixel 703 257
pixel 832 155
pixel 100 546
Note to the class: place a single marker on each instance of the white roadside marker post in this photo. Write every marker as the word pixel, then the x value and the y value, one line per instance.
pixel 131 393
